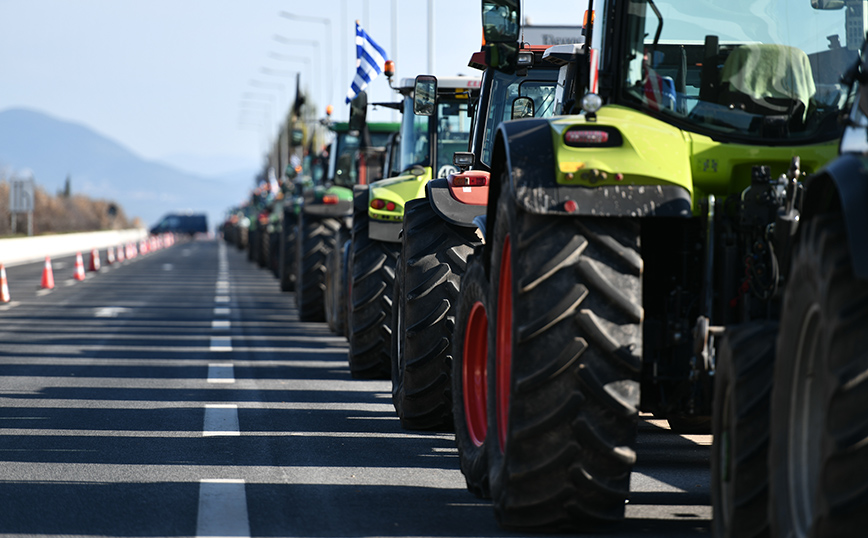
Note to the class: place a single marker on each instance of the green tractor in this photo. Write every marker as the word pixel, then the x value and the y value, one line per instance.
pixel 326 210
pixel 434 126
pixel 439 234
pixel 623 239
pixel 299 178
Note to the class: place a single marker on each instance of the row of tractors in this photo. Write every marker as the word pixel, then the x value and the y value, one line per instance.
pixel 666 220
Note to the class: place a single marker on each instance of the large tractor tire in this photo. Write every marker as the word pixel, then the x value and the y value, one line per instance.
pixel 564 376
pixel 262 253
pixel 274 253
pixel 243 235
pixel 316 239
pixel 335 285
pixel 433 258
pixel 469 388
pixel 742 400
pixel 286 265
pixel 819 427
pixel 370 317
pixel 252 245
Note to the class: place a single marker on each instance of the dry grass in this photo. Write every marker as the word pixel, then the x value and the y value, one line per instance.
pixel 61 214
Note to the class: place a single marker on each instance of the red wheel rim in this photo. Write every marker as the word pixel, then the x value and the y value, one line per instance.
pixel 473 380
pixel 503 347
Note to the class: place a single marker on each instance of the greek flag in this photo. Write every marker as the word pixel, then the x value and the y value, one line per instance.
pixel 370 59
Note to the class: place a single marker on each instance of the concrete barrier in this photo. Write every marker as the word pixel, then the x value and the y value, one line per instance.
pixel 21 250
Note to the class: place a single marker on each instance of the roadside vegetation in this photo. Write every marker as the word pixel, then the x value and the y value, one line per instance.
pixel 63 213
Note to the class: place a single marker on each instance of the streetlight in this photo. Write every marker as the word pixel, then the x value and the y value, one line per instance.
pixel 287 41
pixel 279 87
pixel 328 24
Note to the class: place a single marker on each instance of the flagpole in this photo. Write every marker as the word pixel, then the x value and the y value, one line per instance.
pixel 395 49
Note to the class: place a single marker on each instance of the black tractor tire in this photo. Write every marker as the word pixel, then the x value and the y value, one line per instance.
pixel 433 259
pixel 370 316
pixel 469 390
pixel 317 236
pixel 274 253
pixel 335 285
pixel 286 264
pixel 252 245
pixel 262 252
pixel 739 455
pixel 566 298
pixel 243 235
pixel 819 426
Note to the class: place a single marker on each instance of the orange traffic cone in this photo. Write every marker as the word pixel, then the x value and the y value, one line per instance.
pixel 47 275
pixel 110 255
pixel 79 267
pixel 94 261
pixel 4 286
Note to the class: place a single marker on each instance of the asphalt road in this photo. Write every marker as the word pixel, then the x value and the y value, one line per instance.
pixel 177 394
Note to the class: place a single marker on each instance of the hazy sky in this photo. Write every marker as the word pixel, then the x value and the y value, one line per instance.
pixel 185 79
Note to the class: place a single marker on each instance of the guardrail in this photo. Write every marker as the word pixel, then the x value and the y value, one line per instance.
pixel 21 250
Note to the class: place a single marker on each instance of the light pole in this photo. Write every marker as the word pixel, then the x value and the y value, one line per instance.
pixel 280 87
pixel 288 58
pixel 319 67
pixel 328 24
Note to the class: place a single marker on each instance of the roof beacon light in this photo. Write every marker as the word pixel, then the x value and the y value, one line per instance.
pixel 389 69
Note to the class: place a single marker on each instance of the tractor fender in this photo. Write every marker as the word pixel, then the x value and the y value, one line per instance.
pixel 528 148
pixel 448 208
pixel 843 185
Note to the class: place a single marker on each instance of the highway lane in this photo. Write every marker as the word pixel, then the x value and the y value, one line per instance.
pixel 179 395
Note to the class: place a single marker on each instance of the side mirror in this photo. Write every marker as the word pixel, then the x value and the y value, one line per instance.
pixel 358 111
pixel 501 21
pixel 827 4
pixel 424 95
pixel 501 28
pixel 522 107
pixel 296 137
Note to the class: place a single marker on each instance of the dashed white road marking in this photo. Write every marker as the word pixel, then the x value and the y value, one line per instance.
pixel 221 372
pixel 221 343
pixel 220 311
pixel 110 311
pixel 220 324
pixel 222 509
pixel 221 298
pixel 221 420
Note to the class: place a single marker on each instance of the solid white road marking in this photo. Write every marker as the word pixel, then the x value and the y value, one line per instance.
pixel 220 372
pixel 221 420
pixel 222 509
pixel 221 343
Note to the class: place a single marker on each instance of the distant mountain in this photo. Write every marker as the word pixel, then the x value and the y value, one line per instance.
pixel 216 167
pixel 101 168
